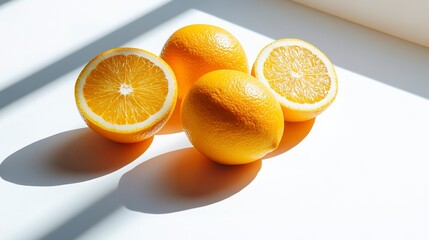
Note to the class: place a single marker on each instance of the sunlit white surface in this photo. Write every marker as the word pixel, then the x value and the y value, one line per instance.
pixel 360 171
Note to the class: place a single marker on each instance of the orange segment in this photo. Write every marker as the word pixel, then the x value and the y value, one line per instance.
pixel 126 94
pixel 300 75
pixel 297 74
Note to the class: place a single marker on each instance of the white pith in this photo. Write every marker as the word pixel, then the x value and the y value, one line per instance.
pixel 283 101
pixel 90 115
pixel 125 89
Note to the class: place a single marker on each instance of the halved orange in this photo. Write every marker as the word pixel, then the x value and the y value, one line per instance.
pixel 126 94
pixel 301 77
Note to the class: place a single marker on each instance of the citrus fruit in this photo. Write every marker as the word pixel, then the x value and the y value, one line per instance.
pixel 231 117
pixel 126 94
pixel 302 78
pixel 196 49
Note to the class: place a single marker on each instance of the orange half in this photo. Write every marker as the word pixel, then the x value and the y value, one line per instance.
pixel 126 94
pixel 300 75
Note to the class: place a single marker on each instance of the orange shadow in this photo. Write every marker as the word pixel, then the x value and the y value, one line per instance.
pixel 195 176
pixel 69 157
pixel 174 124
pixel 181 180
pixel 293 134
pixel 88 152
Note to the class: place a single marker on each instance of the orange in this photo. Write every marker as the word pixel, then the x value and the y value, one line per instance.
pixel 126 94
pixel 197 49
pixel 302 78
pixel 231 117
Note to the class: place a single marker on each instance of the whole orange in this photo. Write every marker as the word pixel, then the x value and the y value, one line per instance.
pixel 231 117
pixel 197 49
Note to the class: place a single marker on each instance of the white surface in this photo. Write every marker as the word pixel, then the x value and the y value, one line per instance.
pixel 360 173
pixel 405 19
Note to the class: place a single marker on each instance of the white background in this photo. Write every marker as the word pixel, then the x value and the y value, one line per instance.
pixel 404 19
pixel 359 171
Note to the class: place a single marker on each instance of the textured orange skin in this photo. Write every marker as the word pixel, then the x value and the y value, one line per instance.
pixel 231 117
pixel 198 49
pixel 122 137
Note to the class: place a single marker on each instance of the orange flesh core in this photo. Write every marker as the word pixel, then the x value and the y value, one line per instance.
pixel 297 74
pixel 125 89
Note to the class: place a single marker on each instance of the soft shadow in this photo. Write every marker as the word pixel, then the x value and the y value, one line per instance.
pixel 175 181
pixel 80 57
pixel 384 58
pixel 181 180
pixel 68 157
pixel 174 124
pixel 293 134
pixel 4 1
pixel 85 219
pixel 356 48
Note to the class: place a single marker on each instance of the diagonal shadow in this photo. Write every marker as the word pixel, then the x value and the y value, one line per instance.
pixel 359 49
pixel 172 182
pixel 4 1
pixel 114 39
pixel 350 46
pixel 84 220
pixel 182 180
pixel 384 58
pixel 68 157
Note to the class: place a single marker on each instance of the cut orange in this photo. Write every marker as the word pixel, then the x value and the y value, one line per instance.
pixel 300 75
pixel 126 94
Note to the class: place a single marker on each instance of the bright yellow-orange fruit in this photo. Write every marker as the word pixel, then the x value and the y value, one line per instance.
pixel 231 117
pixel 126 94
pixel 197 49
pixel 302 78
